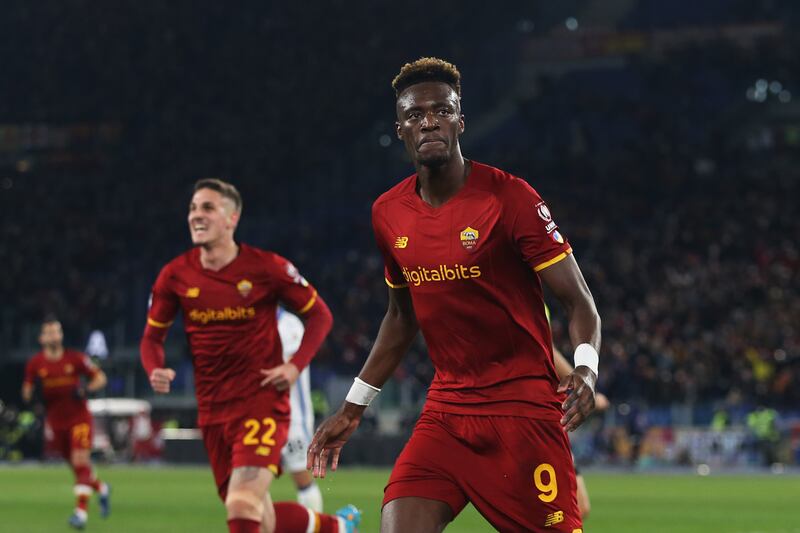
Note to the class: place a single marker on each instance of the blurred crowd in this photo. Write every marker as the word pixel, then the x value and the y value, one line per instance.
pixel 677 190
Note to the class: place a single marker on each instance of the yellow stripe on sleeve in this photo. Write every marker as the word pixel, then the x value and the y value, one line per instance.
pixel 158 324
pixel 393 286
pixel 553 261
pixel 310 303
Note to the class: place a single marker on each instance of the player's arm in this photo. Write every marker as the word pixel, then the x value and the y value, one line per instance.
pixel 27 384
pixel 163 309
pixel 564 369
pixel 97 381
pixel 317 321
pixel 565 280
pixel 397 331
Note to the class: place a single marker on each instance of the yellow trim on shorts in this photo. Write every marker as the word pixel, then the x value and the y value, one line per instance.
pixel 310 303
pixel 553 261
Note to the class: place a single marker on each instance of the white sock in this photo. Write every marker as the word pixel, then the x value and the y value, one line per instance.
pixel 83 515
pixel 310 497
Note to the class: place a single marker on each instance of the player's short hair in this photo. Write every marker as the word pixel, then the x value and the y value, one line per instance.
pixel 427 69
pixel 49 318
pixel 227 190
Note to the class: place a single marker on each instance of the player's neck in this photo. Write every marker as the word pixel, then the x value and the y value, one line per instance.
pixel 216 256
pixel 53 353
pixel 438 184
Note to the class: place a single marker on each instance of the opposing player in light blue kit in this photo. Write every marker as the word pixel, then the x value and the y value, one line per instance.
pixel 301 428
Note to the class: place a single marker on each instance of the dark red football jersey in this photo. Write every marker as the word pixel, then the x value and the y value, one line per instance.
pixel 60 380
pixel 471 266
pixel 230 321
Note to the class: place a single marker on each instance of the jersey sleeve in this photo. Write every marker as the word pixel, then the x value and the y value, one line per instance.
pixel 392 272
pixel 164 302
pixel 532 228
pixel 84 365
pixel 30 372
pixel 292 289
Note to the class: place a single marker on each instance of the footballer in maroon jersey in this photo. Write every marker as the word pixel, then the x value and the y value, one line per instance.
pixel 466 248
pixel 228 293
pixel 59 371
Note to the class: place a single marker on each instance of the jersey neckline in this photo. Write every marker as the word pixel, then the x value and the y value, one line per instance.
pixel 456 198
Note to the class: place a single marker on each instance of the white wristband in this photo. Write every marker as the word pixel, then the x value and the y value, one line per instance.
pixel 361 392
pixel 586 355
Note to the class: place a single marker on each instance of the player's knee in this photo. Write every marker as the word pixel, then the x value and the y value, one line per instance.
pixel 79 458
pixel 268 520
pixel 244 504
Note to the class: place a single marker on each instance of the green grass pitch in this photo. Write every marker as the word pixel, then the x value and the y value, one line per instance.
pixel 175 500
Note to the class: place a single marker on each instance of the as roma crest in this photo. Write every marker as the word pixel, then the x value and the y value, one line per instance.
pixel 469 238
pixel 244 287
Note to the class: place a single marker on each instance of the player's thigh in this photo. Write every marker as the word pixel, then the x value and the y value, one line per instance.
pixel 80 443
pixel 420 515
pixel 258 436
pixel 219 453
pixel 527 482
pixel 61 440
pixel 428 467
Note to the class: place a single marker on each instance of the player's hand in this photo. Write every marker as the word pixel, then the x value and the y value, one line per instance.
pixel 580 400
pixel 331 436
pixel 160 379
pixel 282 377
pixel 79 393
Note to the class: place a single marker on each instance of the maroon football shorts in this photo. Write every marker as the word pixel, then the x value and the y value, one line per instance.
pixel 75 437
pixel 516 471
pixel 255 438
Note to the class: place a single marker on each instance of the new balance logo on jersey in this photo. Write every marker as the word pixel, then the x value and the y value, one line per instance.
pixel 554 518
pixel 420 275
pixel 401 242
pixel 220 315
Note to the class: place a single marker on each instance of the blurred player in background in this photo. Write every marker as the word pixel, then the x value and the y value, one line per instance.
pixel 229 293
pixel 466 248
pixel 293 456
pixel 60 372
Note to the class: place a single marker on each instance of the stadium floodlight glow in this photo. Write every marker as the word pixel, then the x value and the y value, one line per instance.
pixel 761 85
pixel 775 87
pixel 571 23
pixel 785 97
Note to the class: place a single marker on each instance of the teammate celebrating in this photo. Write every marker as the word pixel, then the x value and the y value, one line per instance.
pixel 293 456
pixel 228 293
pixel 60 370
pixel 466 247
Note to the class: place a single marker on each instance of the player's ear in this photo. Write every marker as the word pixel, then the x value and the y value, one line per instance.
pixel 461 123
pixel 398 130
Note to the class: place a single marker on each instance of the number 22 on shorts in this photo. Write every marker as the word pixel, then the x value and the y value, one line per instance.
pixel 266 442
pixel 548 489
